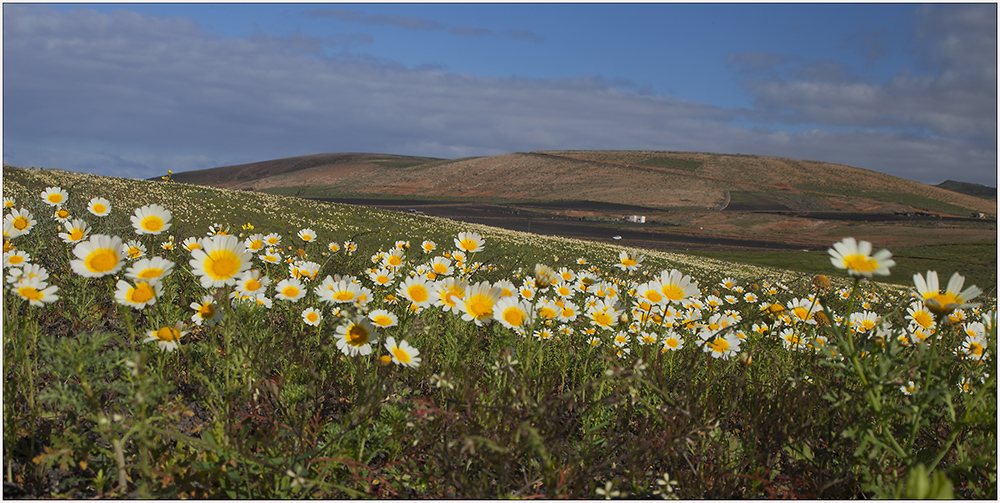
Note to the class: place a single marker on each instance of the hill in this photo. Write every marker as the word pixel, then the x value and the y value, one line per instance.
pixel 971 189
pixel 641 178
pixel 931 244
pixel 297 171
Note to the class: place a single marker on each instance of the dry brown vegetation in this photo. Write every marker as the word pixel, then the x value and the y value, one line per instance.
pixel 643 178
pixel 682 193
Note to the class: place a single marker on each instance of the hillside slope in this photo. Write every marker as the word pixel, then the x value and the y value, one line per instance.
pixel 298 171
pixel 972 189
pixel 642 178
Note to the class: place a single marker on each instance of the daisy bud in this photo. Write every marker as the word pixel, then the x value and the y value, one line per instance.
pixel 821 282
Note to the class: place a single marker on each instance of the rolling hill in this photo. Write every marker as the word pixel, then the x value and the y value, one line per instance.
pixel 642 178
pixel 972 189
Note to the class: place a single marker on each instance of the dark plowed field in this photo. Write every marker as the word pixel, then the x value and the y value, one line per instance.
pixel 522 218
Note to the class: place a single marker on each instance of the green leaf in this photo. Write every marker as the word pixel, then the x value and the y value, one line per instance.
pixel 921 485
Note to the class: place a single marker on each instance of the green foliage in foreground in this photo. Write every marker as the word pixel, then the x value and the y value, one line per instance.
pixel 776 402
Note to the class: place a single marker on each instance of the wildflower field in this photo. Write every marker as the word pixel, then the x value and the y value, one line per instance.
pixel 163 340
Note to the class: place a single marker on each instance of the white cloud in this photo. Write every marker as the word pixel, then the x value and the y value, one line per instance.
pixel 955 97
pixel 133 95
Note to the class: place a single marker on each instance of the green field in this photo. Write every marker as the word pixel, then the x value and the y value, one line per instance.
pixel 377 368
pixel 976 261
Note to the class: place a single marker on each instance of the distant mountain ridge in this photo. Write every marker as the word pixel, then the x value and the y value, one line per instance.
pixel 643 178
pixel 972 189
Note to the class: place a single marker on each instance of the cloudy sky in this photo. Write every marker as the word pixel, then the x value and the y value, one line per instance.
pixel 136 89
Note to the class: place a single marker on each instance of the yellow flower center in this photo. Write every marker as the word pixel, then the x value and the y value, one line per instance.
pixel 514 316
pixel 975 348
pixel 860 263
pixel 547 312
pixel 395 260
pixel 719 345
pixel 29 293
pixel 142 293
pixel 76 234
pixel 801 313
pixel 21 223
pixel 99 208
pixel 400 355
pixel 62 214
pixel 312 316
pixel 151 223
pixel 672 292
pixel 343 295
pixel 357 335
pixel 222 264
pixel 440 268
pixel 256 245
pixel 938 302
pixel 653 296
pixel 382 320
pixel 152 272
pixel 673 343
pixel 251 285
pixel 417 293
pixel 629 262
pixel 15 259
pixel 480 306
pixel 923 318
pixel 101 260
pixel 134 252
pixel 207 311
pixel 469 244
pixel 567 312
pixel 603 319
pixel 290 291
pixel 55 198
pixel 168 334
pixel 453 295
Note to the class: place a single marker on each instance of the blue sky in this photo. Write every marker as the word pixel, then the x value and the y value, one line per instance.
pixel 136 89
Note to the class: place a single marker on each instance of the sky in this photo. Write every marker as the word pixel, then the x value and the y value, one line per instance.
pixel 134 90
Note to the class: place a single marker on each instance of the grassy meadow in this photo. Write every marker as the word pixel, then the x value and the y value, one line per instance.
pixel 164 340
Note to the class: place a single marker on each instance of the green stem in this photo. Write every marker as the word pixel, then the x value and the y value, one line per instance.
pixel 120 460
pixel 126 312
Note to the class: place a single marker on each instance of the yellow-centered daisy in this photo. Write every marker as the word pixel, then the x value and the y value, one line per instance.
pixel 221 260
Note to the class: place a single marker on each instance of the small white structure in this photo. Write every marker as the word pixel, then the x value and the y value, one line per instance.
pixel 641 219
